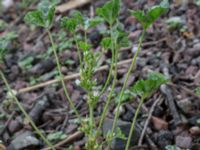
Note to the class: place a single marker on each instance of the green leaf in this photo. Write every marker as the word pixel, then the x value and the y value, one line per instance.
pixel 144 88
pixel 35 18
pixel 120 134
pixel 175 22
pixel 69 23
pixel 92 22
pixel 198 91
pixel 73 22
pixel 26 63
pixel 158 78
pixel 84 46
pixel 110 11
pixel 106 43
pixel 147 19
pixel 4 41
pixel 172 147
pixel 43 16
pixel 57 136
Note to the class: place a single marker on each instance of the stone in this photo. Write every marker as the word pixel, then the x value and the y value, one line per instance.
pixel 183 142
pixel 15 125
pixel 195 131
pixel 119 144
pixel 164 138
pixel 159 123
pixel 24 141
pixel 185 105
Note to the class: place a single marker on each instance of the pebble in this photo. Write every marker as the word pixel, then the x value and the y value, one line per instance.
pixel 195 131
pixel 185 105
pixel 183 142
pixel 24 141
pixel 159 123
pixel 164 138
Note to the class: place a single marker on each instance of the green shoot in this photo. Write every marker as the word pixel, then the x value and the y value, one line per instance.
pixel 144 89
pixel 43 17
pixel 110 11
pixel 147 19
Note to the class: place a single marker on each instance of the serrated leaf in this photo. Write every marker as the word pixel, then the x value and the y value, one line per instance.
pixel 158 78
pixel 120 134
pixel 93 22
pixel 69 23
pixel 56 136
pixel 4 41
pixel 144 88
pixel 141 17
pixel 106 43
pixel 35 18
pixel 43 16
pixel 110 11
pixel 152 14
pixel 73 22
pixel 84 46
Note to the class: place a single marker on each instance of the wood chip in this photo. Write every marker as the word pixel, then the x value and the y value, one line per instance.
pixel 71 5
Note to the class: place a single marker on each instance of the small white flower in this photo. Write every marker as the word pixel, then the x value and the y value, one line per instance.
pixel 134 49
pixel 78 82
pixel 95 93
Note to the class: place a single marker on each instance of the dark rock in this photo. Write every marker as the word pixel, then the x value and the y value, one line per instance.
pixel 164 138
pixel 158 112
pixel 24 141
pixel 119 144
pixel 43 67
pixel 195 147
pixel 193 120
pixel 185 105
pixel 128 116
pixel 38 109
pixel 15 125
pixel 95 37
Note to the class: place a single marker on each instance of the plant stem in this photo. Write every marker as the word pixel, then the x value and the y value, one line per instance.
pixel 62 77
pixel 109 76
pixel 91 113
pixel 125 83
pixel 25 113
pixel 113 64
pixel 79 51
pixel 134 123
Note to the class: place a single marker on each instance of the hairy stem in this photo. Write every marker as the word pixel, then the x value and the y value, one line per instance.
pixel 25 113
pixel 134 123
pixel 125 83
pixel 62 77
pixel 113 64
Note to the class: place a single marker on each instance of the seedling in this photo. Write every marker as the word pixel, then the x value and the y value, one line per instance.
pixel 144 89
pixel 114 39
pixel 146 19
pixel 43 17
